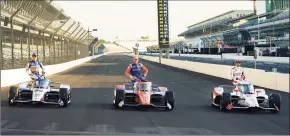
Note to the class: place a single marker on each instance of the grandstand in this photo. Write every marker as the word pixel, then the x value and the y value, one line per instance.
pixel 267 32
pixel 233 32
pixel 39 27
pixel 272 5
pixel 197 35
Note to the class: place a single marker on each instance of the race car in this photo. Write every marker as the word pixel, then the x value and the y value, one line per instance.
pixel 143 94
pixel 244 96
pixel 41 90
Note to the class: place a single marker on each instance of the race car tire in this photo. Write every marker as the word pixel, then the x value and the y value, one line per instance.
pixel 64 96
pixel 169 98
pixel 212 100
pixel 12 93
pixel 118 98
pixel 275 100
pixel 225 101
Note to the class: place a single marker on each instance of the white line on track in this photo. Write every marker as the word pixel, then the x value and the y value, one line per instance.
pixel 3 122
pixel 58 132
pixel 11 125
pixel 101 128
pixel 51 127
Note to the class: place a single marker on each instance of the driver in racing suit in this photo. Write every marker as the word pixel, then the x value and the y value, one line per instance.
pixel 33 67
pixel 134 70
pixel 237 72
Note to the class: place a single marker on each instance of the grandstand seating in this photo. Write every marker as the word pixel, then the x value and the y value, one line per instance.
pixel 230 34
pixel 281 16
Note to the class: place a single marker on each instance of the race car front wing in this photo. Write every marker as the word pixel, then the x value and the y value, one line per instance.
pixel 122 104
pixel 60 102
pixel 230 107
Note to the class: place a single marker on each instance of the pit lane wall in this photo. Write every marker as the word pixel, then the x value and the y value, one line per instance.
pixel 271 80
pixel 15 76
pixel 231 56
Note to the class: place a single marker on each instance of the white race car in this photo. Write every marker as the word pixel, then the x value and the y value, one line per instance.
pixel 42 91
pixel 244 96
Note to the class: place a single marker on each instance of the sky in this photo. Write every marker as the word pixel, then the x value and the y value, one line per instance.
pixel 132 19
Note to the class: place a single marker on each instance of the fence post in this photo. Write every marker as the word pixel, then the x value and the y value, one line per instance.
pixel 12 43
pixel 28 42
pixel 21 52
pixel 53 45
pixel 43 43
pixel 67 49
pixel 75 50
pixel 49 46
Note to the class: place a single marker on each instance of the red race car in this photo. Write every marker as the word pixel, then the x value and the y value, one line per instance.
pixel 143 94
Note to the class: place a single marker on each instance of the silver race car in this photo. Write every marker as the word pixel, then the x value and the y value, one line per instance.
pixel 41 91
pixel 244 96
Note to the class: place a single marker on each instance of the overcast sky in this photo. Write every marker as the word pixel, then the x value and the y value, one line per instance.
pixel 133 19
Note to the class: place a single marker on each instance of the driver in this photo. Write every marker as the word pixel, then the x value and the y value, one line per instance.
pixel 237 72
pixel 34 66
pixel 134 70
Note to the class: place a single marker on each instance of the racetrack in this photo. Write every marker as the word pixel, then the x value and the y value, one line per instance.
pixel 91 110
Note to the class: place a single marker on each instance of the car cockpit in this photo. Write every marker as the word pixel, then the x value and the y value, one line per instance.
pixel 144 86
pixel 246 88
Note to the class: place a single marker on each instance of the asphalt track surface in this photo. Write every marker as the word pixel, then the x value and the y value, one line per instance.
pixel 267 66
pixel 91 111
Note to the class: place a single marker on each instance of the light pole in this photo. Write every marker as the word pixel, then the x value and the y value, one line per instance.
pixel 89 33
pixel 275 48
pixel 88 39
pixel 255 52
pixel 258 27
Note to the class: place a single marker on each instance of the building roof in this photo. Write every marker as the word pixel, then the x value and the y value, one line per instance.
pixel 209 23
pixel 211 18
pixel 279 14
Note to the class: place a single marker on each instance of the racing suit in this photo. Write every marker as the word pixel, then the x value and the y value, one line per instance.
pixel 135 71
pixel 33 67
pixel 237 73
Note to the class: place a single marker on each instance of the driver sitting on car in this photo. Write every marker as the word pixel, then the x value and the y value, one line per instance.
pixel 134 70
pixel 33 68
pixel 237 72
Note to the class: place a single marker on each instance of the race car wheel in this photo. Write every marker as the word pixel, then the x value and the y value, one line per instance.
pixel 11 95
pixel 63 96
pixel 225 101
pixel 275 102
pixel 118 98
pixel 212 100
pixel 169 98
